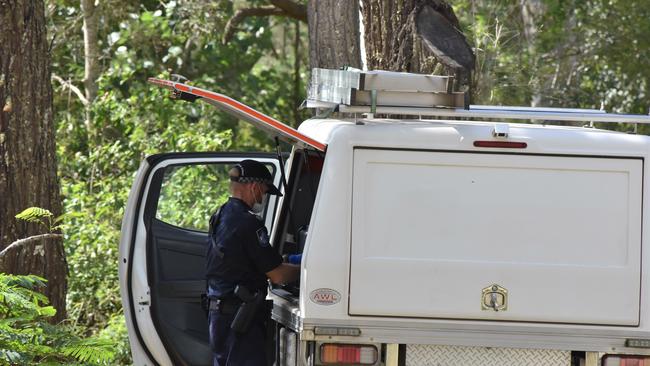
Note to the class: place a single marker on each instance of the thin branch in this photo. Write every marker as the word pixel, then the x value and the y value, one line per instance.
pixel 73 88
pixel 22 242
pixel 242 14
pixel 292 9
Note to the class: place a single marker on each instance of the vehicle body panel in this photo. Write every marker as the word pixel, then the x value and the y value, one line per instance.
pixel 326 262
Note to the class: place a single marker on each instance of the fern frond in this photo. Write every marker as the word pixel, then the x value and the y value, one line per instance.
pixel 26 281
pixel 34 214
pixel 90 350
pixel 11 357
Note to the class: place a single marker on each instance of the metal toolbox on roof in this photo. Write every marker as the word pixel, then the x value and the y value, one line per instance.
pixel 381 88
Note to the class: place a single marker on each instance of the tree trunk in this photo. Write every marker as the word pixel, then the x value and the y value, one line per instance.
pixel 91 58
pixel 391 40
pixel 27 148
pixel 333 33
pixel 531 11
pixel 297 86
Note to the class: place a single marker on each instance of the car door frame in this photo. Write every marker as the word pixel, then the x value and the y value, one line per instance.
pixel 134 266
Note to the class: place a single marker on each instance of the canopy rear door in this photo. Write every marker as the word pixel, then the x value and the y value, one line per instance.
pixel 229 105
pixel 458 235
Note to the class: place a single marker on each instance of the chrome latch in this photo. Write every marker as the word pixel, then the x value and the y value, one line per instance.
pixel 494 297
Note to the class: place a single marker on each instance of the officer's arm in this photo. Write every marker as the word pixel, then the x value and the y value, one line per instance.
pixel 284 273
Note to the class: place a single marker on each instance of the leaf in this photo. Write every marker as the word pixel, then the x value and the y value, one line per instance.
pixel 47 311
pixel 25 281
pixel 90 350
pixel 146 17
pixel 58 227
pixel 59 219
pixel 33 214
pixel 11 356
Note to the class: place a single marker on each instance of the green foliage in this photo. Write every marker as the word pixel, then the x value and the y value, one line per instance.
pixel 92 350
pixel 41 216
pixel 33 214
pixel 26 338
pixel 191 193
pixel 581 54
pixel 116 332
pixel 495 31
pixel 131 119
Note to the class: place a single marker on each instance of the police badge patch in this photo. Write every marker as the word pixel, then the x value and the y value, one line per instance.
pixel 262 237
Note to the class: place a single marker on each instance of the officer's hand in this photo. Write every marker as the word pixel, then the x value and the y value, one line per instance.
pixel 284 273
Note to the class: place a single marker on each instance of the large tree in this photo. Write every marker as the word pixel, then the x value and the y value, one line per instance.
pixel 333 34
pixel 420 36
pixel 27 149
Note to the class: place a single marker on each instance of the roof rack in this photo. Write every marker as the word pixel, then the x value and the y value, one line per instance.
pixel 508 112
pixel 395 93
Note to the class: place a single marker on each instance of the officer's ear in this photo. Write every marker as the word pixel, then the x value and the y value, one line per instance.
pixel 254 188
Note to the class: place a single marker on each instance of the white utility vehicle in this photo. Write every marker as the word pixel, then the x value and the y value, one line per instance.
pixel 448 238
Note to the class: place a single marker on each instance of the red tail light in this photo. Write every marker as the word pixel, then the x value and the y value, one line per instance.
pixel 348 354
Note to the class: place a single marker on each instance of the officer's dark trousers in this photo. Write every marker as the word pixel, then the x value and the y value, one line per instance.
pixel 237 349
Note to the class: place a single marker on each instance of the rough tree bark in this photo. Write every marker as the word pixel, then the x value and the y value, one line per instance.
pixel 390 37
pixel 333 34
pixel 27 148
pixel 419 36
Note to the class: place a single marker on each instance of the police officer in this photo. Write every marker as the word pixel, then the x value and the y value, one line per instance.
pixel 239 254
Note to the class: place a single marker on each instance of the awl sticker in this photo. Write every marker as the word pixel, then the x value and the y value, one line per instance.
pixel 325 296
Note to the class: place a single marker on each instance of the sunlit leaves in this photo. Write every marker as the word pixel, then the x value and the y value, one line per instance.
pixel 27 339
pixel 41 216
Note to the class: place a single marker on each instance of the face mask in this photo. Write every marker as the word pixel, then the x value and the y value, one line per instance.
pixel 258 207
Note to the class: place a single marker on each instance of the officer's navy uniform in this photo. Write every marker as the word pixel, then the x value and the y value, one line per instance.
pixel 239 253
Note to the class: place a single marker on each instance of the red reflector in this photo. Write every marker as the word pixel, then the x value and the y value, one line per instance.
pixel 501 144
pixel 348 354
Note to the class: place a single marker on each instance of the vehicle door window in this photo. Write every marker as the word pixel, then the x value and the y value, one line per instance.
pixel 189 194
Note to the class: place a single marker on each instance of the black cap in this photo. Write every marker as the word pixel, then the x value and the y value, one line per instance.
pixel 251 171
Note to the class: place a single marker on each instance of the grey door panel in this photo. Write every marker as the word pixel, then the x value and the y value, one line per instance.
pixel 177 266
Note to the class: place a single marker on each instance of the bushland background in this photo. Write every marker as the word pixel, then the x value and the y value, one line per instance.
pixel 78 116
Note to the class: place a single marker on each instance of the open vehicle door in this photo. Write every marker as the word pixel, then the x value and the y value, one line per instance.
pixel 162 251
pixel 164 237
